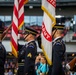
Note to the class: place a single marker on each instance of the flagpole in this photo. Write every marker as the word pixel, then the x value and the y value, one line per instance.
pixel 5 32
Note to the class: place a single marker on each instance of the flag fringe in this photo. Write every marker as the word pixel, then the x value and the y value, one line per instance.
pixel 47 58
pixel 25 1
pixel 20 25
pixel 14 52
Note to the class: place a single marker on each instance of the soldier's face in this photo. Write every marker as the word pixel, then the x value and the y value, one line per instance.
pixel 25 37
pixel 54 33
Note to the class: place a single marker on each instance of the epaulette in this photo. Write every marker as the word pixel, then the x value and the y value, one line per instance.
pixel 31 45
pixel 58 42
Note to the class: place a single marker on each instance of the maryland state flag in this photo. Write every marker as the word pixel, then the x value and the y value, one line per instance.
pixel 18 21
pixel 48 6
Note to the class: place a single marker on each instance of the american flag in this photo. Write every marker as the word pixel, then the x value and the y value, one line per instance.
pixel 18 21
pixel 48 6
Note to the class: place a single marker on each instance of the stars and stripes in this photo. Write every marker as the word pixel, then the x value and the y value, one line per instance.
pixel 18 21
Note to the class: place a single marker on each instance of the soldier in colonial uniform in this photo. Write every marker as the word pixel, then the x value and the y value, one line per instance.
pixel 2 50
pixel 27 53
pixel 58 50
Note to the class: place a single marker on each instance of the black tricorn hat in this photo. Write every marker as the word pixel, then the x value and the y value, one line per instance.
pixel 1 27
pixel 29 30
pixel 59 27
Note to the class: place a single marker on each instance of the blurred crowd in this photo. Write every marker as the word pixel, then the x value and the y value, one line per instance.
pixel 41 66
pixel 39 61
pixel 10 67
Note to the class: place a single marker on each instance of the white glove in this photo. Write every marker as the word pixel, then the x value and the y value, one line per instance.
pixel 67 66
pixel 18 36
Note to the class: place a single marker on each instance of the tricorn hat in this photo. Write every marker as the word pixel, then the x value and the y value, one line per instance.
pixel 29 30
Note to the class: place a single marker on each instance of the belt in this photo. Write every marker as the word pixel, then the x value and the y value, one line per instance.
pixel 20 64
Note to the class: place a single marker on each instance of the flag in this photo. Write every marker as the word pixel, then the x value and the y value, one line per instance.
pixel 21 12
pixel 48 6
pixel 18 21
